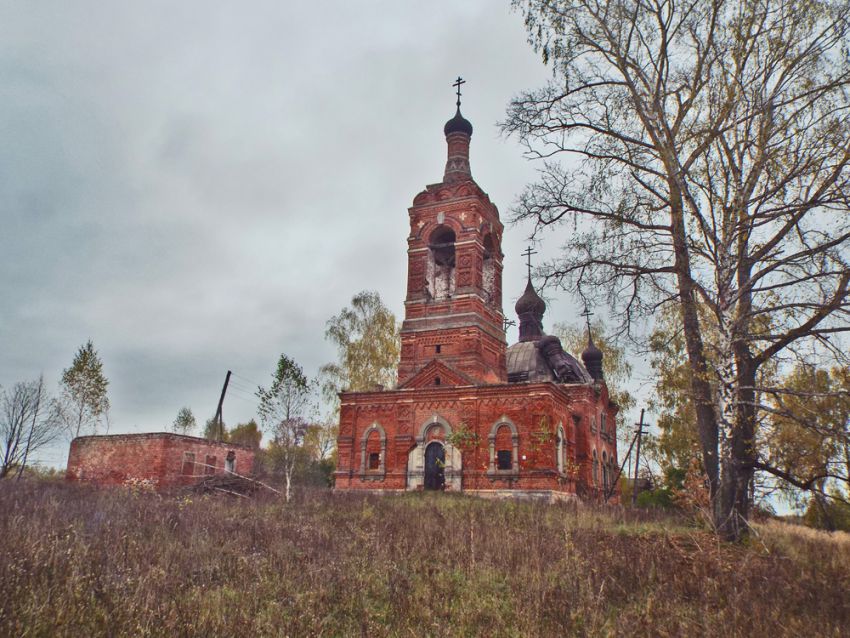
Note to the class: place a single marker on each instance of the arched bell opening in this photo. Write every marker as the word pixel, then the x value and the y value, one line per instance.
pixel 441 263
pixel 489 272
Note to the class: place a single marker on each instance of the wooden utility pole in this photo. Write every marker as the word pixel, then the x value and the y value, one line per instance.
pixel 218 417
pixel 620 470
pixel 637 460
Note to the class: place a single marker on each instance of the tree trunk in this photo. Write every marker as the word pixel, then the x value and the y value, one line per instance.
pixel 732 506
pixel 700 387
pixel 288 491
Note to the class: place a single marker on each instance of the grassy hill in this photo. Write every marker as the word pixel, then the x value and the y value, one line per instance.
pixel 79 562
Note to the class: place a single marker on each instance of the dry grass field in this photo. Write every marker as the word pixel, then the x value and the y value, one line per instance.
pixel 75 561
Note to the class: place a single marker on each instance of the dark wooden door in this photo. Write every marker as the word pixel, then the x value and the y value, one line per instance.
pixel 435 459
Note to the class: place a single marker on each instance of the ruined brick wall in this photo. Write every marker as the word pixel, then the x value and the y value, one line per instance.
pixel 165 459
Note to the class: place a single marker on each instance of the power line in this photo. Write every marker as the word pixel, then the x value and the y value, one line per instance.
pixel 251 381
pixel 242 388
pixel 252 400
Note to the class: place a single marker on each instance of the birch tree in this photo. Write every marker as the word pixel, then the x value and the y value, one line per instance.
pixel 700 151
pixel 284 408
pixel 85 404
pixel 185 422
pixel 366 335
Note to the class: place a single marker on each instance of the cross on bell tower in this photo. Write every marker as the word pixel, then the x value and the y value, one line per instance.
pixel 457 84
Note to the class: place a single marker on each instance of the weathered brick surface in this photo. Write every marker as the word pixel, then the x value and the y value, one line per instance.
pixel 156 457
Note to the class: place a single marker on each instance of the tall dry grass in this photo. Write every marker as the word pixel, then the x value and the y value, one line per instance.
pixel 80 562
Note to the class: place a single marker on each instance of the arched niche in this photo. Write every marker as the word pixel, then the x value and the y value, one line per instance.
pixel 561 449
pixel 435 430
pixel 498 428
pixel 368 468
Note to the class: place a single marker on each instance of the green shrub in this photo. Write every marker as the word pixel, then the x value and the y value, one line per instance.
pixel 830 515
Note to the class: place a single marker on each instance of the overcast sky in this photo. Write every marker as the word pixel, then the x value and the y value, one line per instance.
pixel 199 186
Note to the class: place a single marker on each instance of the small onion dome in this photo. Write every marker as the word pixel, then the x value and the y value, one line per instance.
pixel 458 124
pixel 592 357
pixel 530 302
pixel 591 352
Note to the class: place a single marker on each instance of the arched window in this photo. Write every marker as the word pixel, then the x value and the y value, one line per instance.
pixel 595 469
pixel 373 452
pixel 605 472
pixel 504 447
pixel 441 263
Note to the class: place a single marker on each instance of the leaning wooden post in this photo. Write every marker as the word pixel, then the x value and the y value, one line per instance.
pixel 637 460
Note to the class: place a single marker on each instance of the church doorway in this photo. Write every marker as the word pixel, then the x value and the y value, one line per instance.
pixel 435 463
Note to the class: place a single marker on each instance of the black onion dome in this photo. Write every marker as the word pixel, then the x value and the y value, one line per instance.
pixel 591 352
pixel 592 357
pixel 530 302
pixel 458 124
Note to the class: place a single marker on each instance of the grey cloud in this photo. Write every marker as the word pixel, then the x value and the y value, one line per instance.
pixel 199 186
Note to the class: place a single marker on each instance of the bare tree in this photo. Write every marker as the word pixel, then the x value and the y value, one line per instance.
pixel 321 439
pixel 283 410
pixel 710 141
pixel 29 420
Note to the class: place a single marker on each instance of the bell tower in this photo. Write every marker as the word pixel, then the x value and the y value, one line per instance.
pixel 453 308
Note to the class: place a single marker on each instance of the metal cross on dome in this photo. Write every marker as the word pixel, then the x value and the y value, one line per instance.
pixel 457 84
pixel 587 315
pixel 528 253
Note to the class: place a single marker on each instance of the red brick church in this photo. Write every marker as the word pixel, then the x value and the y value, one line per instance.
pixel 471 414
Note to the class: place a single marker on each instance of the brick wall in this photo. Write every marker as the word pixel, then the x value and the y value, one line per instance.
pixel 535 410
pixel 162 458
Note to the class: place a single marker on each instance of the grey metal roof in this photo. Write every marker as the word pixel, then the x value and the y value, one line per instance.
pixel 526 364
